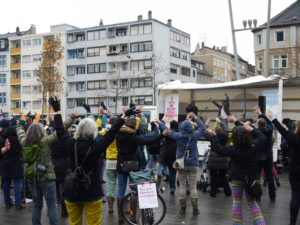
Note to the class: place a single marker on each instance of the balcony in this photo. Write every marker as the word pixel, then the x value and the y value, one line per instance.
pixel 15 95
pixel 15 51
pixel 16 110
pixel 15 66
pixel 15 81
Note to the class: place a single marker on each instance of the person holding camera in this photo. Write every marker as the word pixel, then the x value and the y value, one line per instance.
pixel 190 131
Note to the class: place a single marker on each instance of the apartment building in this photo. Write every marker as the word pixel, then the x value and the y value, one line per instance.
pixel 221 64
pixel 25 55
pixel 284 55
pixel 197 68
pixel 117 62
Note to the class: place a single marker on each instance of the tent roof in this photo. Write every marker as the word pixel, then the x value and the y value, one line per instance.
pixel 248 82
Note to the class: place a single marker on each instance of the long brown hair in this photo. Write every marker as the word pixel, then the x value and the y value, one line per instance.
pixel 241 138
pixel 34 134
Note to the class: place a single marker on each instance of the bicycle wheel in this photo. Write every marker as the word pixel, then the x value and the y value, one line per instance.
pixel 137 216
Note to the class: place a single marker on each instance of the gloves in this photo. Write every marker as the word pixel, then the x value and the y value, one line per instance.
pixel 87 108
pixel 55 103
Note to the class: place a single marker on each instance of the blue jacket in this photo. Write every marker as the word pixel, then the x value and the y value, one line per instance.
pixel 186 131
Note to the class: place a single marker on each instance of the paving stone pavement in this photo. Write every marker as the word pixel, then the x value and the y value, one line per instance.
pixel 213 211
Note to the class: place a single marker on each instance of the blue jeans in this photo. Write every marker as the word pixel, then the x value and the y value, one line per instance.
pixel 122 182
pixel 152 161
pixel 48 190
pixel 6 190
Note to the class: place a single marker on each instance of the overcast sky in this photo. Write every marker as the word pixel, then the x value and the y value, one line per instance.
pixel 205 20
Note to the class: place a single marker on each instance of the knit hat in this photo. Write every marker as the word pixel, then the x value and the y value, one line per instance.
pixel 4 123
pixel 186 127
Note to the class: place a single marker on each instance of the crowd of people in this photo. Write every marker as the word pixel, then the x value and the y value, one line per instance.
pixel 42 161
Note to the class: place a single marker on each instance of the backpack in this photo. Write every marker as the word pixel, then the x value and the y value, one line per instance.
pixel 78 180
pixel 33 159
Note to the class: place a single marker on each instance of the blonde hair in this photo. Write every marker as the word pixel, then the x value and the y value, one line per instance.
pixel 34 134
pixel 86 129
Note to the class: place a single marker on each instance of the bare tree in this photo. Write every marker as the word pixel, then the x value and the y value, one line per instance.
pixel 118 84
pixel 49 76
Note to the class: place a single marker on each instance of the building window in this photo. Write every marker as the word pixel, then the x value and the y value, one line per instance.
pixel 181 38
pixel 80 37
pixel 3 60
pixel 72 70
pixel 2 97
pixel 36 42
pixel 26 73
pixel 96 35
pixel 26 58
pixel 186 71
pixel 2 79
pixel 98 51
pixel 260 63
pixel 141 65
pixel 2 44
pixel 26 89
pixel 96 85
pixel 26 104
pixel 121 32
pixel 141 46
pixel 280 61
pixel 96 68
pixel 70 38
pixel 36 104
pixel 174 68
pixel 175 52
pixel 141 29
pixel 34 73
pixel 80 86
pixel 76 53
pixel 258 39
pixel 71 103
pixel 279 36
pixel 26 43
pixel 185 55
pixel 36 58
pixel 143 100
pixel 124 101
pixel 141 82
pixel 80 102
pixel 112 101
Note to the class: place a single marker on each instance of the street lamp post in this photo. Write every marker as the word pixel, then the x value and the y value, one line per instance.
pixel 245 22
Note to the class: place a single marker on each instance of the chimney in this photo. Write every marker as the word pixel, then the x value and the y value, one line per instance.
pixel 224 48
pixel 169 22
pixel 101 23
pixel 17 30
pixel 149 14
pixel 202 44
pixel 140 18
pixel 32 29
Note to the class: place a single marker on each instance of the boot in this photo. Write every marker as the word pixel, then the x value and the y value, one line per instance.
pixel 195 206
pixel 182 206
pixel 277 182
pixel 120 215
pixel 133 209
pixel 110 202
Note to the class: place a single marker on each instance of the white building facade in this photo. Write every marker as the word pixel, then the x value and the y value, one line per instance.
pixel 114 63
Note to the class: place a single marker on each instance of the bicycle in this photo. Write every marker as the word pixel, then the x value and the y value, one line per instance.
pixel 137 216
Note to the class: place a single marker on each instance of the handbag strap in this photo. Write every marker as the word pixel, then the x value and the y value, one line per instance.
pixel 85 156
pixel 187 146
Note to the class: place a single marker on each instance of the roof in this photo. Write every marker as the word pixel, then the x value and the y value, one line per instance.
pixel 252 81
pixel 289 16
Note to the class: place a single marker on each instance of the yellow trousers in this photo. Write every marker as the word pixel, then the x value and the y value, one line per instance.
pixel 92 210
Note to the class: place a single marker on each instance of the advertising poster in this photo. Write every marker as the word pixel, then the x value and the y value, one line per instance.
pixel 171 107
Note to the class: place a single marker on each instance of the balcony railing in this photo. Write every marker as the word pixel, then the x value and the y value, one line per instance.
pixel 15 51
pixel 15 66
pixel 15 81
pixel 16 110
pixel 15 95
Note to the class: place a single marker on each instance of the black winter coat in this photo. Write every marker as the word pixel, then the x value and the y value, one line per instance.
pixel 60 160
pixel 294 149
pixel 266 152
pixel 91 164
pixel 128 142
pixel 11 161
pixel 243 160
pixel 168 151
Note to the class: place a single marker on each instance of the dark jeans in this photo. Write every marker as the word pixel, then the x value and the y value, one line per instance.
pixel 172 178
pixel 48 190
pixel 219 177
pixel 267 166
pixel 142 157
pixel 122 182
pixel 17 188
pixel 295 201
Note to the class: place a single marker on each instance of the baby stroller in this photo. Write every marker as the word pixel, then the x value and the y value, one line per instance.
pixel 203 151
